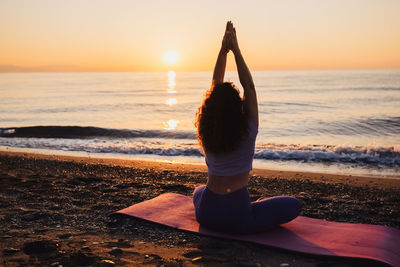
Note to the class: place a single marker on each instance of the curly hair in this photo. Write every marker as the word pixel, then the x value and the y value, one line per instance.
pixel 220 120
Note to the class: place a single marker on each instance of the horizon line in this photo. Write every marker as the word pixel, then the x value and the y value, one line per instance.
pixel 78 69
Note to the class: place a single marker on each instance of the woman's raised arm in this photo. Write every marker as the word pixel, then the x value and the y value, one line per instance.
pixel 220 65
pixel 250 95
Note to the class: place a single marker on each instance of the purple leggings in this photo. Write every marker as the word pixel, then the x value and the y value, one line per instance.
pixel 235 213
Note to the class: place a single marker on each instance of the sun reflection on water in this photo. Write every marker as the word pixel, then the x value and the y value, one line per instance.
pixel 171 82
pixel 171 124
pixel 171 101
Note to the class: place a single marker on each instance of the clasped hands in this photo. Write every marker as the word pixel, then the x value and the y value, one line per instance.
pixel 229 42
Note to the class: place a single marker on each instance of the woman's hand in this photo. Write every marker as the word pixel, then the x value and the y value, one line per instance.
pixel 225 47
pixel 231 37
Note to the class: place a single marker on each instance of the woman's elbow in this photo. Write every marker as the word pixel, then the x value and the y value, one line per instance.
pixel 249 86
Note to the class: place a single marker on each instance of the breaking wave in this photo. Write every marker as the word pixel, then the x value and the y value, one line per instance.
pixel 388 156
pixel 78 132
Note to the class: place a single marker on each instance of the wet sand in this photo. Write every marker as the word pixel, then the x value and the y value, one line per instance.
pixel 55 211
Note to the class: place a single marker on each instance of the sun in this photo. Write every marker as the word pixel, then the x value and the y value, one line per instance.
pixel 171 57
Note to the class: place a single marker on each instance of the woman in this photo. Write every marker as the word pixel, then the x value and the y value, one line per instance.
pixel 227 126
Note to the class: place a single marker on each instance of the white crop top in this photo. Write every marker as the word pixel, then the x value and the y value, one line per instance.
pixel 238 161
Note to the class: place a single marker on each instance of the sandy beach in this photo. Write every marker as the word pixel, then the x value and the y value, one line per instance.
pixel 55 211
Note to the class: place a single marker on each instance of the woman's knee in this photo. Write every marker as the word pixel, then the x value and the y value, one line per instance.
pixel 198 191
pixel 295 206
pixel 291 207
pixel 281 208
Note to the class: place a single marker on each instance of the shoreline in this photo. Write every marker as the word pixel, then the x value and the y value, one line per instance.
pixel 348 179
pixel 333 168
pixel 55 211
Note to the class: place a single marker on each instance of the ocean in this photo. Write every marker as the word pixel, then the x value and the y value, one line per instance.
pixel 333 121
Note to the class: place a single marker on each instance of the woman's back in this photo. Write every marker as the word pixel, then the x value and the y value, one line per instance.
pixel 229 172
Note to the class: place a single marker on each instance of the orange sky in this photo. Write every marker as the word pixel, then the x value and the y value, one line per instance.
pixel 95 35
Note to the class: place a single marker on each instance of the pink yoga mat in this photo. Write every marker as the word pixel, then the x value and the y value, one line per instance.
pixel 306 235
